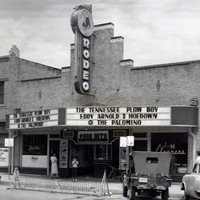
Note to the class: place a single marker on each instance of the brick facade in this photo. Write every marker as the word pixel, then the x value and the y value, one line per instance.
pixel 114 82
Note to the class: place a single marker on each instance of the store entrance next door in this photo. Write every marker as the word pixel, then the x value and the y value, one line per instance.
pixel 54 147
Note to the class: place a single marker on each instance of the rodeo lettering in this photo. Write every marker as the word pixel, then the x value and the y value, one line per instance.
pixel 86 64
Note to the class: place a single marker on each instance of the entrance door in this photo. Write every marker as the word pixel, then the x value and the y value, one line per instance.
pixel 54 147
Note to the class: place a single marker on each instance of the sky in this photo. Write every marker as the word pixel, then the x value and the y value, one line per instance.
pixel 154 31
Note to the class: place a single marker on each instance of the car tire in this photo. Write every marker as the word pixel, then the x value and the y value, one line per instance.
pixel 122 176
pixel 186 196
pixel 165 194
pixel 132 193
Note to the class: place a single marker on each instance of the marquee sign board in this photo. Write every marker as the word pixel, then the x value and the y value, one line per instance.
pixel 118 116
pixel 34 119
pixel 82 26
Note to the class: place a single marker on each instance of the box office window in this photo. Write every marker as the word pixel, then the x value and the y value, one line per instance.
pixel 35 145
pixel 102 152
pixel 176 143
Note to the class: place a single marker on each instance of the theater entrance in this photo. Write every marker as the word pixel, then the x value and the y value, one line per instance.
pixel 93 158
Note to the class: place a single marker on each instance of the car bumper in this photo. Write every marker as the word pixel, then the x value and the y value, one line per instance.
pixel 151 187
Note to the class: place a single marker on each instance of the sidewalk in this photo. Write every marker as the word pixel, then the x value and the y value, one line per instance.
pixel 84 184
pixel 114 187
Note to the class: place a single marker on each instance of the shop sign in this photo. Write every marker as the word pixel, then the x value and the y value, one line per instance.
pixel 130 141
pixel 67 134
pixel 170 148
pixel 33 119
pixel 127 141
pixel 92 136
pixel 82 26
pixel 119 133
pixel 175 143
pixel 3 157
pixel 118 116
pixel 123 142
pixel 9 142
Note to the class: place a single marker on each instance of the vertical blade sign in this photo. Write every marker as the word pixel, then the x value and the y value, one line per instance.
pixel 83 27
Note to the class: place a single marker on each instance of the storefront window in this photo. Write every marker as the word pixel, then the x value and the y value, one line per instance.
pixel 176 143
pixel 140 145
pixel 35 145
pixel 102 152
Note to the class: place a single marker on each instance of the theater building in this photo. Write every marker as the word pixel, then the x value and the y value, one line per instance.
pixel 82 110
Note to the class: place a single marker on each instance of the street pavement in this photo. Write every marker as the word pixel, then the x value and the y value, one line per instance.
pixel 115 189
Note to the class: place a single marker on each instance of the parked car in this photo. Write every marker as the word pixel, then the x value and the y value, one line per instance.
pixel 191 183
pixel 148 174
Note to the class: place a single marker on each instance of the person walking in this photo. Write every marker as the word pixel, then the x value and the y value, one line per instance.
pixel 54 166
pixel 75 164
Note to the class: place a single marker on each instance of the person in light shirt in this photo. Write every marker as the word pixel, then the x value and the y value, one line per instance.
pixel 75 164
